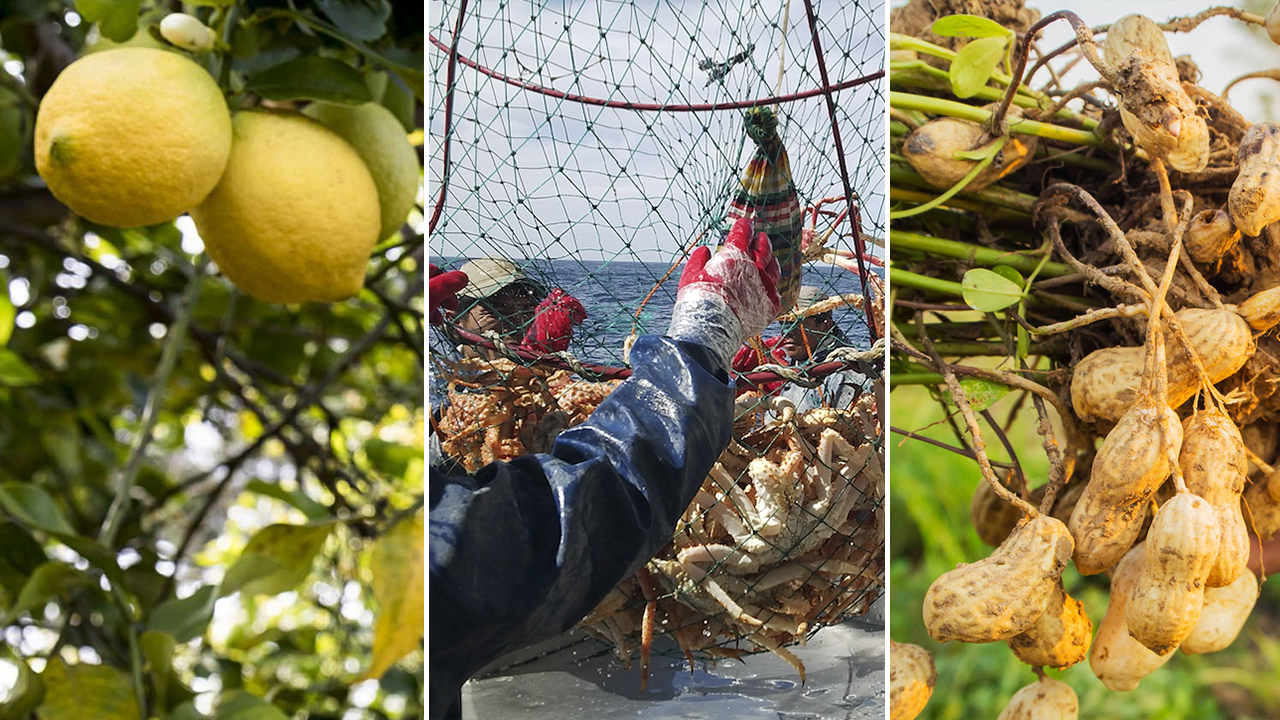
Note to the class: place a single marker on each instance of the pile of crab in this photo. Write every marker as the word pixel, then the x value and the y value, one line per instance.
pixel 785 535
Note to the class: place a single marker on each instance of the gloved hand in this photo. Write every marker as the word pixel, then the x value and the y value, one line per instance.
pixel 553 322
pixel 727 298
pixel 442 291
pixel 748 359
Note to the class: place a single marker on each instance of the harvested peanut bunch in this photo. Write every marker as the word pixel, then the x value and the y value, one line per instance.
pixel 911 680
pixel 1085 244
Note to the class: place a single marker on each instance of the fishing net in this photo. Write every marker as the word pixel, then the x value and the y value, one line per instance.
pixel 582 152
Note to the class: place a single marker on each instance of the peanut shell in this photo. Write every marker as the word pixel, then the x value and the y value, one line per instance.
pixel 1262 509
pixel 1254 200
pixel 1210 236
pixel 1045 699
pixel 1129 467
pixel 1107 381
pixel 1060 638
pixel 1166 599
pixel 911 679
pixel 931 149
pixel 1262 310
pixel 1004 594
pixel 1118 660
pixel 1214 466
pixel 1225 611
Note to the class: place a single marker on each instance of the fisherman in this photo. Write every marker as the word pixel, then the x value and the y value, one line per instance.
pixel 523 550
pixel 499 297
pixel 809 343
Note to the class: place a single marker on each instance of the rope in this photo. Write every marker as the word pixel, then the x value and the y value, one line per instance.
pixel 826 89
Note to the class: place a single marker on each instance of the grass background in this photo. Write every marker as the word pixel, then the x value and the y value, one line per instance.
pixel 930 490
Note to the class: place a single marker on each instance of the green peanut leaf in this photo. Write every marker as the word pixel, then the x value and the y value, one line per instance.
pixel 973 26
pixel 980 392
pixel 988 291
pixel 974 64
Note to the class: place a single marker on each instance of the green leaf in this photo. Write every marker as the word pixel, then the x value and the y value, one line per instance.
pixel 187 618
pixel 297 498
pixel 980 392
pixel 987 291
pixel 974 64
pixel 20 557
pixel 398 584
pixel 117 19
pixel 359 19
pixel 241 705
pixel 399 99
pixel 76 692
pixel 14 371
pixel 158 647
pixel 973 26
pixel 51 580
pixel 276 560
pixel 311 78
pixel 1011 273
pixel 34 507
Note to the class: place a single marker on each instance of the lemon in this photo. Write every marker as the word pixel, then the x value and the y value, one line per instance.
pixel 132 136
pixel 296 213
pixel 380 139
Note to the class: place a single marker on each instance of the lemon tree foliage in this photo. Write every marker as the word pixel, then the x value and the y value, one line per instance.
pixel 211 360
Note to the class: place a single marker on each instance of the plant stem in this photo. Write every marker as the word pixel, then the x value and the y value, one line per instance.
pixel 1022 261
pixel 151 409
pixel 951 108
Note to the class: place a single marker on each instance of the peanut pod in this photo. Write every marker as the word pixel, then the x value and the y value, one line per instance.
pixel 931 150
pixel 911 680
pixel 1135 34
pixel 1118 660
pixel 1045 699
pixel 1060 638
pixel 1166 599
pixel 1154 107
pixel 1214 466
pixel 1225 611
pixel 1004 594
pixel 1262 509
pixel 1262 310
pixel 1210 236
pixel 1254 200
pixel 1130 466
pixel 1108 381
pixel 1272 23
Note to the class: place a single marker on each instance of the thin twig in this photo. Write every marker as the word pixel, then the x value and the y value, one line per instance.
pixel 975 432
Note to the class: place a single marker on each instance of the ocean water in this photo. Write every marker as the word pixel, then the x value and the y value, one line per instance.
pixel 622 296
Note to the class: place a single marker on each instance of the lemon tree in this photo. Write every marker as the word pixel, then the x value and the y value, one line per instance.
pixel 211 369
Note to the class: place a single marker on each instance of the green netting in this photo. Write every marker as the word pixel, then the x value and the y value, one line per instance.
pixel 595 145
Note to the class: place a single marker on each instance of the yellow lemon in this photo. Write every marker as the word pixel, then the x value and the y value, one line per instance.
pixel 132 136
pixel 296 213
pixel 380 139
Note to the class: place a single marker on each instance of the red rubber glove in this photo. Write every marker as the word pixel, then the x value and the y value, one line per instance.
pixel 728 297
pixel 747 360
pixel 553 322
pixel 442 291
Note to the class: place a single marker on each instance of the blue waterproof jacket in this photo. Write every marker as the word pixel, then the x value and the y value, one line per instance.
pixel 523 550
